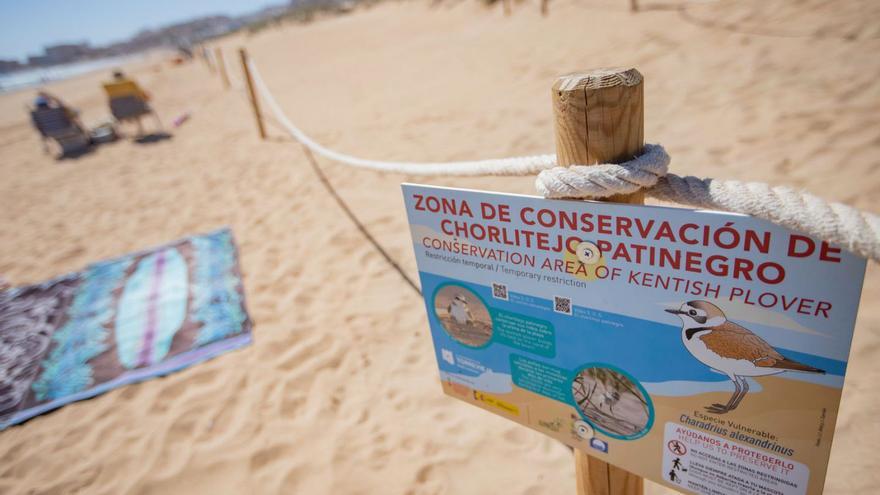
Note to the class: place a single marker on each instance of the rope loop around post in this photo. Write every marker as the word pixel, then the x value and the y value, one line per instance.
pixel 855 230
pixel 601 181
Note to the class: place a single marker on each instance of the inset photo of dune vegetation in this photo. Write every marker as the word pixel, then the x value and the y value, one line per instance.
pixel 463 315
pixel 612 401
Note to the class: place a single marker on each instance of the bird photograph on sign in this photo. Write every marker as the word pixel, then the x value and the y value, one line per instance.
pixel 597 391
pixel 463 315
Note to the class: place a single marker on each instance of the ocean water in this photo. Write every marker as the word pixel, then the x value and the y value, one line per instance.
pixel 35 77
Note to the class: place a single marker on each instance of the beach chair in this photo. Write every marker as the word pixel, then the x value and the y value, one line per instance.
pixel 128 102
pixel 56 124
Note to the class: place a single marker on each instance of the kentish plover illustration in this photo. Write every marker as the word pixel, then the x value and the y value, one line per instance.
pixel 730 349
pixel 459 311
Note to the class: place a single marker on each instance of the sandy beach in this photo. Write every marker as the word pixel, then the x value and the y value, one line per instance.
pixel 339 392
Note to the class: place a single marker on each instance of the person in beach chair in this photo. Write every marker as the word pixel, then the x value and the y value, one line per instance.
pixel 128 101
pixel 58 122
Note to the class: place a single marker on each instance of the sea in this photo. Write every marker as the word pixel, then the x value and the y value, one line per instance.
pixel 29 78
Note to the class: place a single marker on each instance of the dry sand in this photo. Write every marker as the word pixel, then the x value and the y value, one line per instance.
pixel 339 393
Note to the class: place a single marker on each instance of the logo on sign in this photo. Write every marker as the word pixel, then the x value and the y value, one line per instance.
pixel 448 356
pixel 599 445
pixel 583 430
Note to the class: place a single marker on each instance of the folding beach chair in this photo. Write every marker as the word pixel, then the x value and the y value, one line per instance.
pixel 128 102
pixel 56 124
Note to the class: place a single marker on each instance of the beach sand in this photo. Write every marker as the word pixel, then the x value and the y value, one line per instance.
pixel 339 393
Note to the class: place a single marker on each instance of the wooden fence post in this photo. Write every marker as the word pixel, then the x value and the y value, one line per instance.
pixel 253 95
pixel 206 55
pixel 221 67
pixel 599 118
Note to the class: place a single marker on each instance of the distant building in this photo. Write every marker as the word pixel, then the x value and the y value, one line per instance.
pixel 10 65
pixel 176 35
pixel 61 54
pixel 39 60
pixel 68 52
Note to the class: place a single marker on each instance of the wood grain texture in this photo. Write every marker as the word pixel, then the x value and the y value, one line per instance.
pixel 570 112
pixel 599 118
pixel 623 482
pixel 592 477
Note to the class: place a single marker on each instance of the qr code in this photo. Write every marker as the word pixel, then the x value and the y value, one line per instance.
pixel 562 305
pixel 499 291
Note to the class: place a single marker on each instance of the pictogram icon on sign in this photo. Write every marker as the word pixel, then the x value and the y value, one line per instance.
pixel 676 447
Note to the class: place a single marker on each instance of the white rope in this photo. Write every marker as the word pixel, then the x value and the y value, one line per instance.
pixel 524 165
pixel 837 223
pixel 600 181
pixel 852 229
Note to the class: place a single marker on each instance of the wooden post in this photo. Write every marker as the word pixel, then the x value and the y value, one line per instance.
pixel 207 56
pixel 599 119
pixel 221 67
pixel 253 95
pixel 545 7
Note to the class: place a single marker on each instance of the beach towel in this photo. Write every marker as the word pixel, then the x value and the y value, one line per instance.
pixel 117 322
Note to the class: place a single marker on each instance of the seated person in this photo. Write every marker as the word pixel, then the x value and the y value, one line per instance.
pixel 128 101
pixel 46 101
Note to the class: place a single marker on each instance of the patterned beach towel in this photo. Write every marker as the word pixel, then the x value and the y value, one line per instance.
pixel 117 322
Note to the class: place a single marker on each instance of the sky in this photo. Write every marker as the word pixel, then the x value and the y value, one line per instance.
pixel 27 25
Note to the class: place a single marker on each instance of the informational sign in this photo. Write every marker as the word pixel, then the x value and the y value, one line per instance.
pixel 702 350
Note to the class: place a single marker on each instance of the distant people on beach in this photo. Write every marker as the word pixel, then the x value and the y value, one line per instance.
pixel 45 100
pixel 128 101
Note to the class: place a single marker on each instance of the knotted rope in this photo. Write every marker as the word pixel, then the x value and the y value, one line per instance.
pixel 855 230
pixel 852 229
pixel 601 181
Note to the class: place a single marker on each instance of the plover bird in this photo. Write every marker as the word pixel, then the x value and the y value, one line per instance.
pixel 459 311
pixel 609 398
pixel 730 349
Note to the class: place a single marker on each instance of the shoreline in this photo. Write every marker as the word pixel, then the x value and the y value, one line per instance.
pixel 68 71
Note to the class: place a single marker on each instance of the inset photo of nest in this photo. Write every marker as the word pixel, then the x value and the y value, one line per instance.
pixel 612 401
